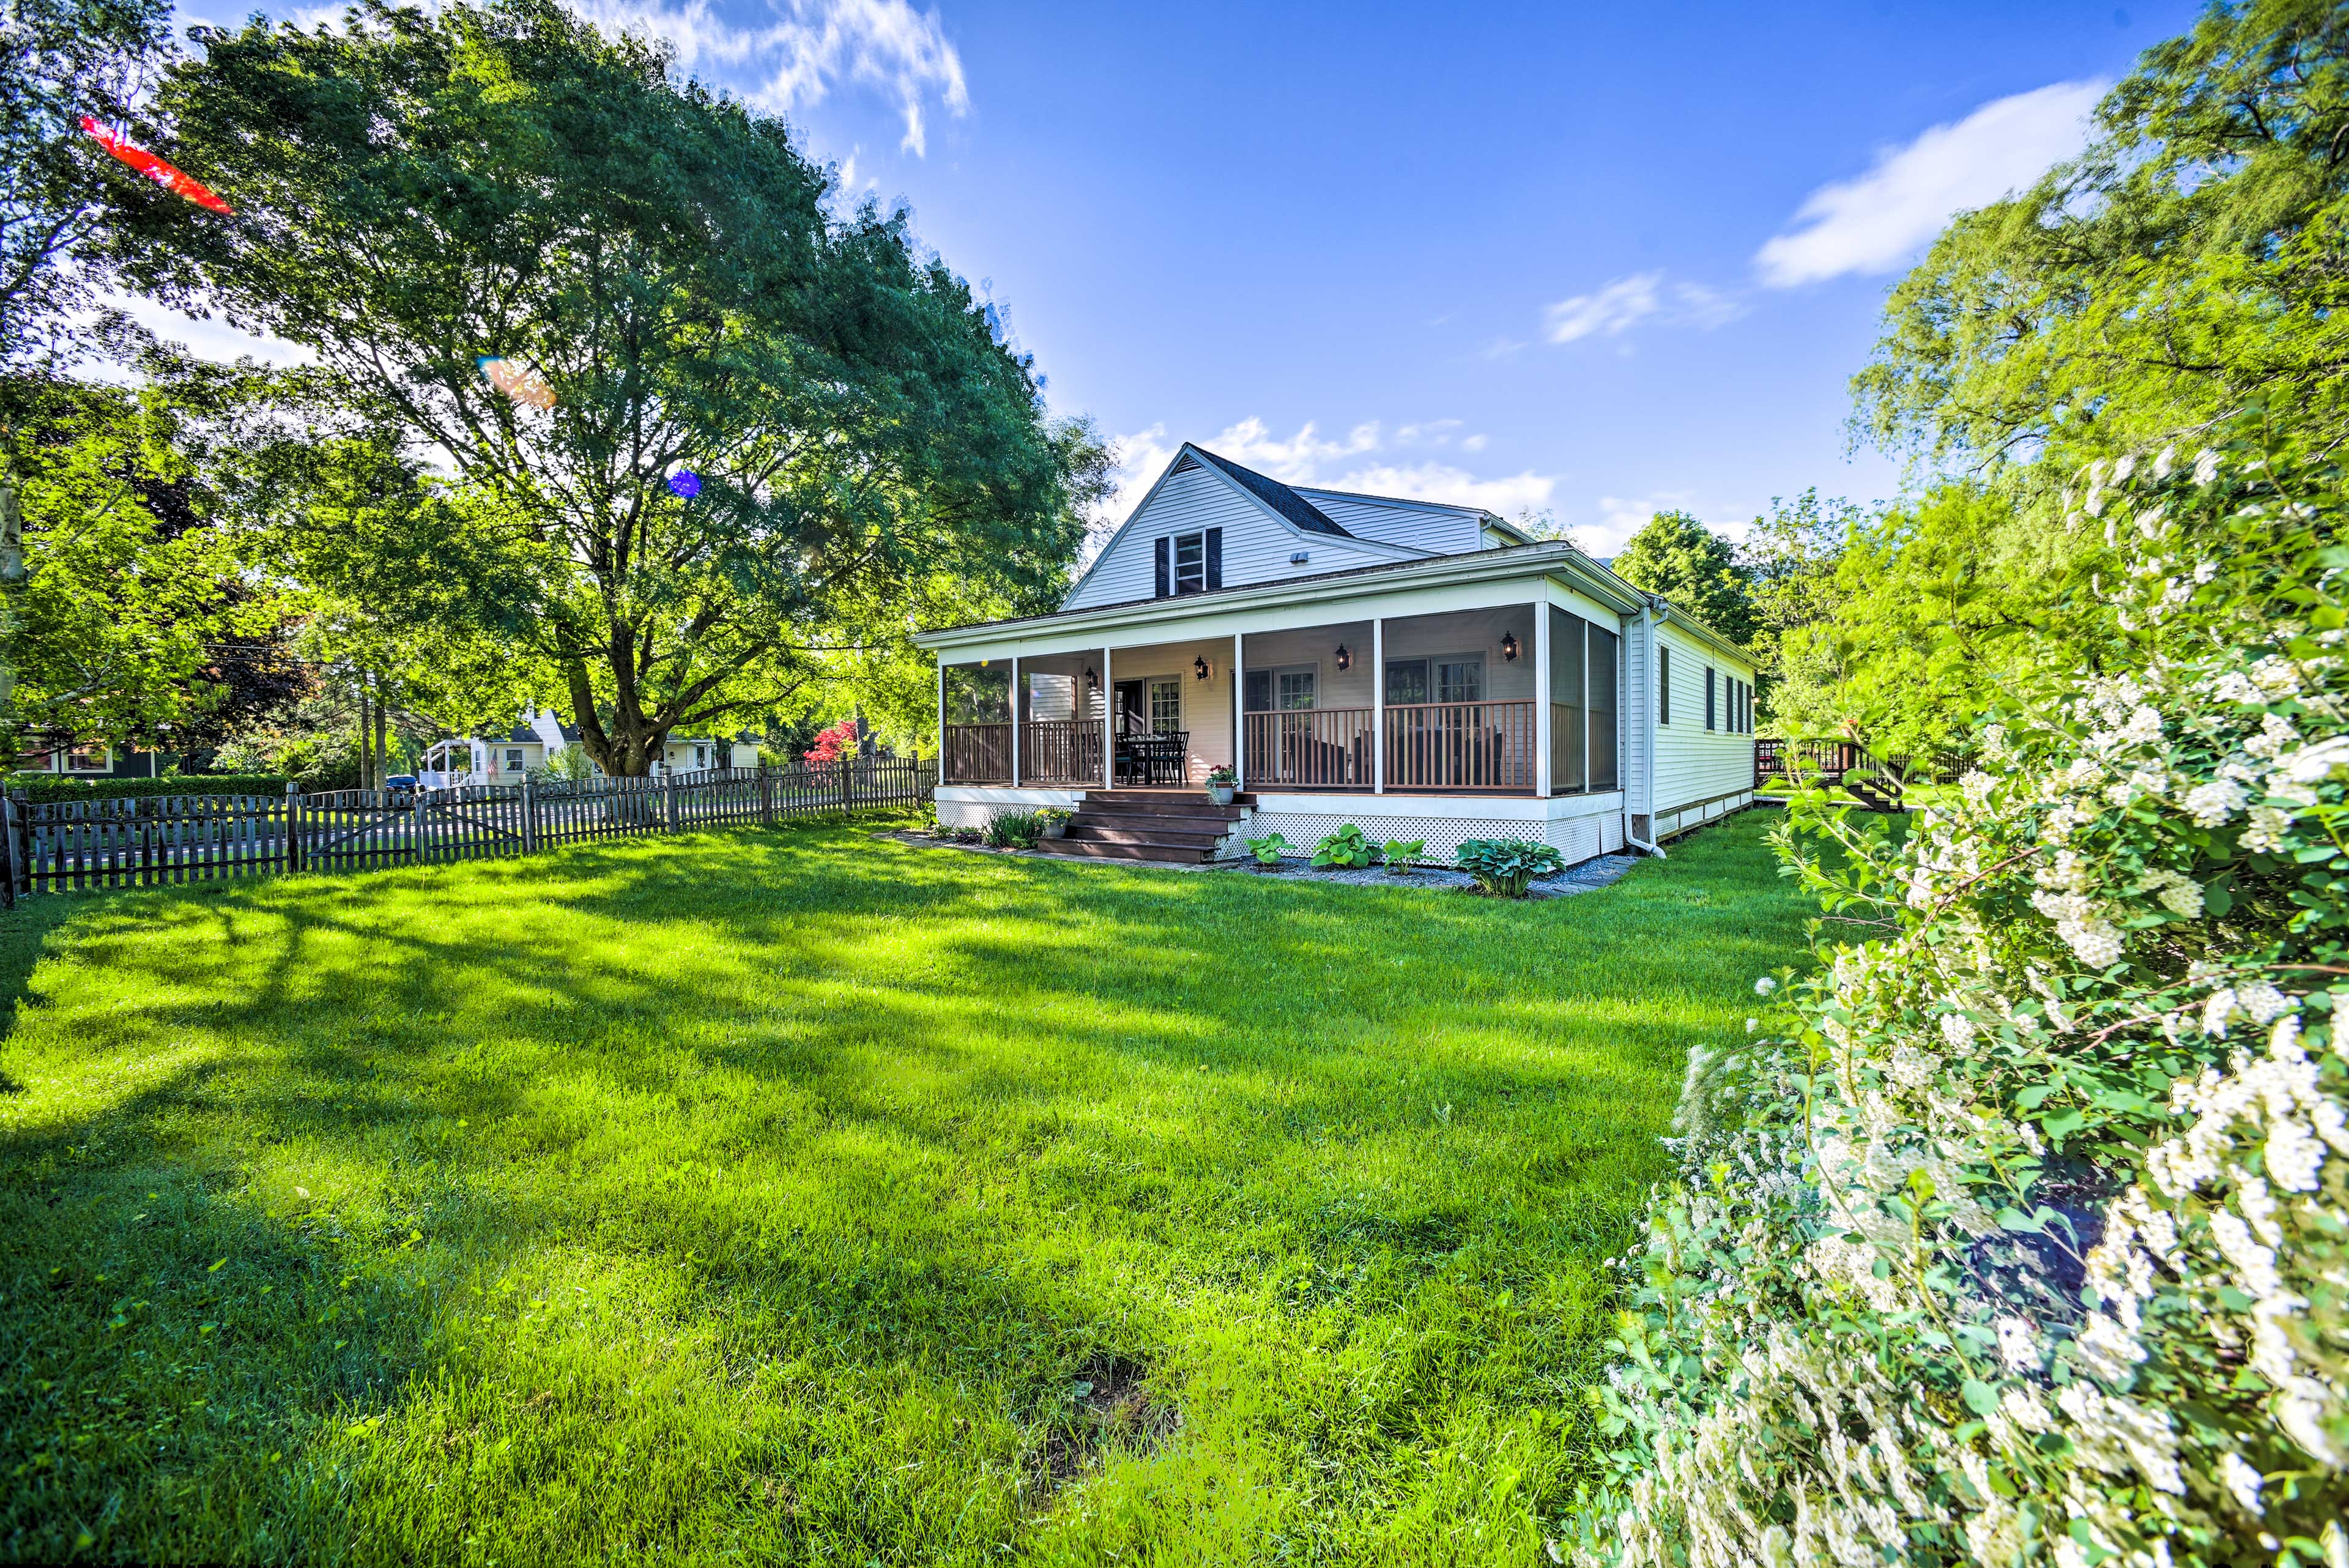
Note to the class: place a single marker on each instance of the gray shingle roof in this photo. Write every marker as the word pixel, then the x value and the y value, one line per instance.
pixel 1278 496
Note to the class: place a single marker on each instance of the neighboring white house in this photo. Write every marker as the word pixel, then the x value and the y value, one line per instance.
pixel 538 737
pixel 1425 671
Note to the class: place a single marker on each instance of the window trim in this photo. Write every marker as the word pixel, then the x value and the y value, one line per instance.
pixel 65 759
pixel 1663 683
pixel 1436 661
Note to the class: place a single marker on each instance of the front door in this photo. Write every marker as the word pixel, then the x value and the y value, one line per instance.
pixel 1133 710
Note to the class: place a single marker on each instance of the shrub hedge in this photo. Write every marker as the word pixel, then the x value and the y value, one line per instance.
pixel 61 786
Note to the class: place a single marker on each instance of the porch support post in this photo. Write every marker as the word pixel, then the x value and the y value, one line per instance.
pixel 942 718
pixel 1378 705
pixel 1239 717
pixel 1541 695
pixel 1109 726
pixel 1014 705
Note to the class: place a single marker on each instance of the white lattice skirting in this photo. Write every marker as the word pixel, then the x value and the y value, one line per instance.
pixel 1577 837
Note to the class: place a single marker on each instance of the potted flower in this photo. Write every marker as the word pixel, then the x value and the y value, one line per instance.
pixel 1221 782
pixel 1053 821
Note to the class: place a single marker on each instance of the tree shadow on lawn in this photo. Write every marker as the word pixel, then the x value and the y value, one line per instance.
pixel 817 1115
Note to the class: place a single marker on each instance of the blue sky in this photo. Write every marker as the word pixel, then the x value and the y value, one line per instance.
pixel 1593 260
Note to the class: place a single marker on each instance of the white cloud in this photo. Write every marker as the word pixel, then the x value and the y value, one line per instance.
pixel 1296 460
pixel 1508 495
pixel 815 44
pixel 1628 301
pixel 1876 221
pixel 1612 310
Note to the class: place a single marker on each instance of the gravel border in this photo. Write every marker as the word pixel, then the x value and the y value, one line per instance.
pixel 1590 874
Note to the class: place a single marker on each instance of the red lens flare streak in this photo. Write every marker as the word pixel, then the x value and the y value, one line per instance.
pixel 155 168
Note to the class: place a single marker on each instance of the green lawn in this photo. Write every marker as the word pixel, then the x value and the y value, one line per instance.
pixel 795 1197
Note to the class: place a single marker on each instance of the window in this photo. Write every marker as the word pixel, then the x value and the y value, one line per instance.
pixel 1190 563
pixel 1709 720
pixel 1406 682
pixel 1460 679
pixel 1568 735
pixel 1167 706
pixel 1604 647
pixel 1271 689
pixel 514 760
pixel 1296 688
pixel 1663 685
pixel 83 759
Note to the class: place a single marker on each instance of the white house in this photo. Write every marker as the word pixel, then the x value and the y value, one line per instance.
pixel 539 736
pixel 1425 671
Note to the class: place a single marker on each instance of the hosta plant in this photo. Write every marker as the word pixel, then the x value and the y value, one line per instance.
pixel 1507 866
pixel 2017 1231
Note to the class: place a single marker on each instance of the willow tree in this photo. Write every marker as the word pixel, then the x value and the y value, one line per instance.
pixel 416 193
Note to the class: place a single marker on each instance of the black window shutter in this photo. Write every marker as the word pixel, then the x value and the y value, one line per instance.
pixel 1708 697
pixel 1165 567
pixel 1214 559
pixel 1663 686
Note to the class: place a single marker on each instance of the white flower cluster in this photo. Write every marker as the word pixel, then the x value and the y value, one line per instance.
pixel 1878 1328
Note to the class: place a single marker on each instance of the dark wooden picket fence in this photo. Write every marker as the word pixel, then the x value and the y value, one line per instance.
pixel 52 846
pixel 1773 758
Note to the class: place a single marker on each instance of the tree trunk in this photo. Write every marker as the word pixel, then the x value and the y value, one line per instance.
pixel 366 722
pixel 12 589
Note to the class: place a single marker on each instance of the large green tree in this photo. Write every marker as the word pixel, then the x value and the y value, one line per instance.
pixel 142 618
pixel 415 192
pixel 2192 259
pixel 1696 568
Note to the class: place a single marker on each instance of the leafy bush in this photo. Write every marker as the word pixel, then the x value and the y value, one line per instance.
pixel 61 786
pixel 1269 849
pixel 1014 829
pixel 1347 849
pixel 1507 866
pixel 1055 816
pixel 1398 855
pixel 2020 1233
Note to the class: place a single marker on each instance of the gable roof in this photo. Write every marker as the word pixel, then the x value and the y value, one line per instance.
pixel 1275 495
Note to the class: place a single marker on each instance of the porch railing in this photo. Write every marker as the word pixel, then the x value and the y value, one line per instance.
pixel 979 753
pixel 1461 745
pixel 1310 748
pixel 1061 751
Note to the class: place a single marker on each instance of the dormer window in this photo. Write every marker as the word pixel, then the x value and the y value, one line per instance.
pixel 1190 563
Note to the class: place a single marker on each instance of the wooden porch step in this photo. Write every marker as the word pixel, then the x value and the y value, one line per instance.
pixel 1145 832
pixel 1099 850
pixel 1143 821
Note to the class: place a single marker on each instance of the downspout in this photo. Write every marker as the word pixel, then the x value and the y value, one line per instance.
pixel 1648 725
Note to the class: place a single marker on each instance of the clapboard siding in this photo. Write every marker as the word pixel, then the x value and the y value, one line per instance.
pixel 1692 763
pixel 1439 530
pixel 1256 547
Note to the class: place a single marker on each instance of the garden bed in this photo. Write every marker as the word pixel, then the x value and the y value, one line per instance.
pixel 1593 873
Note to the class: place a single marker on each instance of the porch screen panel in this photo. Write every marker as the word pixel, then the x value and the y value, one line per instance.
pixel 1606 649
pixel 1566 712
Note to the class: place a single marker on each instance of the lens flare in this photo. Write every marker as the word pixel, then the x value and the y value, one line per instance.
pixel 155 168
pixel 686 483
pixel 520 382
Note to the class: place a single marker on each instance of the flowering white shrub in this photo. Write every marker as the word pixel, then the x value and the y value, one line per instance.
pixel 2019 1229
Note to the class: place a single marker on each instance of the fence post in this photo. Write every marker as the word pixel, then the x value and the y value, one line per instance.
pixel 416 825
pixel 765 796
pixel 293 825
pixel 669 802
pixel 529 814
pixel 7 852
pixel 844 764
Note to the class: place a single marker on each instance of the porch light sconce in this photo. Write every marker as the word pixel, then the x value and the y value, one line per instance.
pixel 1092 679
pixel 1199 666
pixel 1345 659
pixel 1509 646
